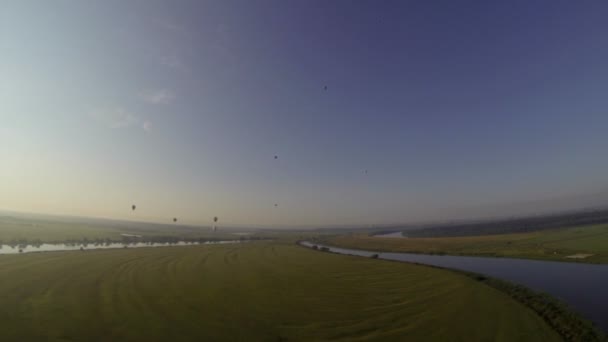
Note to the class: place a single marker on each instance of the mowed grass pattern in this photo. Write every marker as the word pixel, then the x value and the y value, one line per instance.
pixel 264 291
pixel 549 245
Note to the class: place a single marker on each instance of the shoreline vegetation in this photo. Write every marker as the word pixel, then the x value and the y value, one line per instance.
pixel 203 292
pixel 514 225
pixel 570 325
pixel 567 323
pixel 563 245
pixel 125 240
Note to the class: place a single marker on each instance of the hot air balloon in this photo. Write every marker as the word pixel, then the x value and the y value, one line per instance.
pixel 175 219
pixel 325 88
pixel 215 219
pixel 276 205
pixel 276 157
pixel 133 207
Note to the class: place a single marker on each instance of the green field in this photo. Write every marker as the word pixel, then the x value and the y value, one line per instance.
pixel 261 291
pixel 62 229
pixel 555 244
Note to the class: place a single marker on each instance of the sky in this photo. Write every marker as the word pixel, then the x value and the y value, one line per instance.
pixel 455 109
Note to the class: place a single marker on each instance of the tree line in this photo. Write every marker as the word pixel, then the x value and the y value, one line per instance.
pixel 513 225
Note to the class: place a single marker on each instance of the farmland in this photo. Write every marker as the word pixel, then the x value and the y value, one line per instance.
pixel 591 242
pixel 56 229
pixel 265 291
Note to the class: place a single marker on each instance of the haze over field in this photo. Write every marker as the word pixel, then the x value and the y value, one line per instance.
pixel 377 112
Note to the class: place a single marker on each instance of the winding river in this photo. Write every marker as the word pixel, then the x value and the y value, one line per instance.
pixel 584 287
pixel 57 247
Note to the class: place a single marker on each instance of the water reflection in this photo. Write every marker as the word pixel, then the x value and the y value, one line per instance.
pixel 48 247
pixel 582 286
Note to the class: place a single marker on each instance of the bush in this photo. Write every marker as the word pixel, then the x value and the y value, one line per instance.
pixel 568 324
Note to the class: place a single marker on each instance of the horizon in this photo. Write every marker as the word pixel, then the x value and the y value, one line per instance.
pixel 303 113
pixel 387 225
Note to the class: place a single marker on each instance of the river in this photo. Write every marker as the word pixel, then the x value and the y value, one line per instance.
pixel 584 287
pixel 56 247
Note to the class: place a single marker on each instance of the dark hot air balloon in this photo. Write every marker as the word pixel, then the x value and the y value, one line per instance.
pixel 214 226
pixel 175 219
pixel 133 207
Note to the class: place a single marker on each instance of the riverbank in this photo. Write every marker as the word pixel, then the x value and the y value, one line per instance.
pixel 62 247
pixel 557 245
pixel 248 292
pixel 570 325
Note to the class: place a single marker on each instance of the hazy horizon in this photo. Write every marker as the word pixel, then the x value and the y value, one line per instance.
pixel 548 206
pixel 379 113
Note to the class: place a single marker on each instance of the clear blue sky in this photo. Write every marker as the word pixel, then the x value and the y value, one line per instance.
pixel 180 107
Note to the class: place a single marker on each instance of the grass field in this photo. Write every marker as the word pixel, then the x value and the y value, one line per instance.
pixel 262 291
pixel 549 244
pixel 61 230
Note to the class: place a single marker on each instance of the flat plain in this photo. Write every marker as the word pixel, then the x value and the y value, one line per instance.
pixel 257 291
pixel 590 243
pixel 57 229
